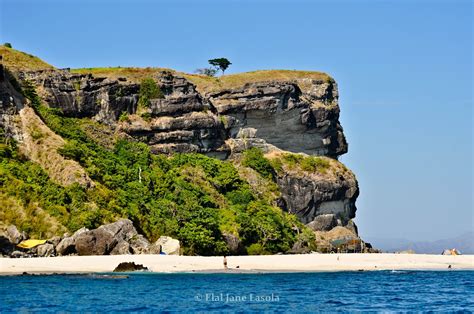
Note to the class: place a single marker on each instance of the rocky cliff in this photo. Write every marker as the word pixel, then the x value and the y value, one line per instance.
pixel 290 114
pixel 284 115
pixel 270 114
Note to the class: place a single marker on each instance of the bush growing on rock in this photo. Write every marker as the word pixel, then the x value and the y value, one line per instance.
pixel 124 117
pixel 207 71
pixel 301 162
pixel 312 164
pixel 148 90
pixel 255 159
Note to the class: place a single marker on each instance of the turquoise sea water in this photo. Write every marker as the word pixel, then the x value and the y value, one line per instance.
pixel 287 292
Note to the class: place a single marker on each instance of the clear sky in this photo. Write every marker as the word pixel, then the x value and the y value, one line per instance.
pixel 404 70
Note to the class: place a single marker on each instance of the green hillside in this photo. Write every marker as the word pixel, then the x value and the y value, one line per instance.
pixel 192 197
pixel 16 60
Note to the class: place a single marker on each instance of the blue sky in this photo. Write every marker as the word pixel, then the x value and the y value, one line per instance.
pixel 404 70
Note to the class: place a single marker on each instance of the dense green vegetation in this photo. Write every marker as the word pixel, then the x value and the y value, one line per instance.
pixel 192 197
pixel 254 159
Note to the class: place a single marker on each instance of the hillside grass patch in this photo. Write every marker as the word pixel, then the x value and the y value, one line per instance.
pixel 206 84
pixel 16 60
pixel 300 163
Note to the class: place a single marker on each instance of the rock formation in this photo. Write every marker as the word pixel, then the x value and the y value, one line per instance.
pixel 284 116
pixel 107 239
pixel 296 115
pixel 321 199
pixel 169 246
pixel 129 266
pixel 117 238
pixel 273 114
pixel 83 95
pixel 11 102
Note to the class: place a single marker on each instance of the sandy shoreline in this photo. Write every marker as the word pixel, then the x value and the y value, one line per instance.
pixel 270 263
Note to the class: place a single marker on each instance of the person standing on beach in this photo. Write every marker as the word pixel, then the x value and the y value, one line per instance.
pixel 225 262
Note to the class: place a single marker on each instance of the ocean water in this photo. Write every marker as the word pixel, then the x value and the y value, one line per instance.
pixel 286 292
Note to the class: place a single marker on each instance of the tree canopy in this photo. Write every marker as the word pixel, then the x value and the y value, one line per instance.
pixel 221 63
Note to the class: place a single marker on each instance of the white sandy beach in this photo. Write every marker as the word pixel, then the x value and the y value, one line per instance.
pixel 271 263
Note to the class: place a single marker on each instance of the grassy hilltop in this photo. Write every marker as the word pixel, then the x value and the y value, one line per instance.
pixel 206 84
pixel 16 60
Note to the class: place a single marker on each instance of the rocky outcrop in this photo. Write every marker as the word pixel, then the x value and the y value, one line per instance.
pixel 234 244
pixel 67 245
pixel 82 95
pixel 284 116
pixel 11 102
pixel 181 121
pixel 45 250
pixel 9 238
pixel 116 238
pixel 128 267
pixel 272 114
pixel 103 240
pixel 168 245
pixel 322 198
pixel 324 222
pixel 140 245
pixel 36 140
pixel 14 235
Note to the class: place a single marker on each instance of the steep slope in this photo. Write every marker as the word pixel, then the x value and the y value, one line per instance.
pixel 41 145
pixel 283 117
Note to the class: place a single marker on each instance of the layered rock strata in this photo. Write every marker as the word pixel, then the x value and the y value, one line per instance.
pixel 298 116
pixel 284 116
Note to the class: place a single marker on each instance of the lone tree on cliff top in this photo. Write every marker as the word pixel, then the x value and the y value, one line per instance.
pixel 221 63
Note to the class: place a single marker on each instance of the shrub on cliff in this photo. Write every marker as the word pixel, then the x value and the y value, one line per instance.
pixel 312 164
pixel 255 159
pixel 206 71
pixel 301 163
pixel 148 90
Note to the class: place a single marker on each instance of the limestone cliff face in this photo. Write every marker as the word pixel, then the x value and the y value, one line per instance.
pixel 36 140
pixel 284 115
pixel 331 193
pixel 182 121
pixel 300 116
pixel 11 102
pixel 82 96
pixel 296 115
